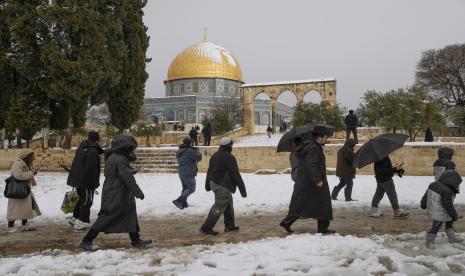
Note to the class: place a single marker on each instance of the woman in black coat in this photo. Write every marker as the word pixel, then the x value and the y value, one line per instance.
pixel 311 197
pixel 118 210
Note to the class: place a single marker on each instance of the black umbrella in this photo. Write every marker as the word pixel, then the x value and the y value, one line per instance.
pixel 378 148
pixel 305 131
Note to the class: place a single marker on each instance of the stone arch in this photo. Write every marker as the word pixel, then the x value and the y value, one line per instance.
pixel 313 97
pixel 326 88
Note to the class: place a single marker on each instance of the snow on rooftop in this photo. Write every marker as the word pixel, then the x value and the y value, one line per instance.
pixel 288 82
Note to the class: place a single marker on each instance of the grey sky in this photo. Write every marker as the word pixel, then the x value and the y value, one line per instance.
pixel 365 44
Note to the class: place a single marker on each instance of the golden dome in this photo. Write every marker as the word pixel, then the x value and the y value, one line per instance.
pixel 205 60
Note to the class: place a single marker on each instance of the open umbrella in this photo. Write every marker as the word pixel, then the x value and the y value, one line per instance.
pixel 378 148
pixel 305 131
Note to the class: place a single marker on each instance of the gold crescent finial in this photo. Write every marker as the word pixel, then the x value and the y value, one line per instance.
pixel 205 34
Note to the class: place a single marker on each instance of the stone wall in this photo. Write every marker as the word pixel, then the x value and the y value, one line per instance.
pixel 418 159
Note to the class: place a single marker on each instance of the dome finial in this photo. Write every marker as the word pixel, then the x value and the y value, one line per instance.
pixel 205 35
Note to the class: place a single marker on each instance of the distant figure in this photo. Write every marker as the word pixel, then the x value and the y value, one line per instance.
pixel 182 128
pixel 444 162
pixel 269 130
pixel 84 175
pixel 175 127
pixel 197 127
pixel 207 134
pixel 439 202
pixel 429 135
pixel 351 122
pixel 187 157
pixel 345 170
pixel 281 129
pixel 193 135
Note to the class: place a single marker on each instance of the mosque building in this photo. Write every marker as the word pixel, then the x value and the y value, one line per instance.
pixel 198 77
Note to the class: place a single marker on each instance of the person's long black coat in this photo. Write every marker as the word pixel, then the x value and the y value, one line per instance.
pixel 118 210
pixel 308 200
pixel 85 169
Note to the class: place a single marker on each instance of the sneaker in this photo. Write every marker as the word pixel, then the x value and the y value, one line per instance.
pixel 208 232
pixel 28 227
pixel 12 230
pixel 400 214
pixel 141 243
pixel 88 246
pixel 71 220
pixel 286 227
pixel 79 225
pixel 375 212
pixel 231 229
pixel 178 204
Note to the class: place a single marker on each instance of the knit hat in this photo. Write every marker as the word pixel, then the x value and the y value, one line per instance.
pixel 187 141
pixel 25 153
pixel 226 141
pixel 93 136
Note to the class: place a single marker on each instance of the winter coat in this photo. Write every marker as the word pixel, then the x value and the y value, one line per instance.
pixel 207 132
pixel 193 134
pixel 187 158
pixel 351 121
pixel 269 129
pixel 439 198
pixel 85 169
pixel 26 208
pixel 345 160
pixel 308 200
pixel 384 171
pixel 294 166
pixel 118 209
pixel 429 135
pixel 223 170
pixel 444 162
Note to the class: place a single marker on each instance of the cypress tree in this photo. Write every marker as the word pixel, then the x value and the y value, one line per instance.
pixel 127 97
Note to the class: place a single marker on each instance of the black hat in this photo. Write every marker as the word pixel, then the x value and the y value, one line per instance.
pixel 320 130
pixel 93 136
pixel 187 141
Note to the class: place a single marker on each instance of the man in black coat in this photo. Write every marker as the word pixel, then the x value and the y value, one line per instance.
pixel 311 197
pixel 207 134
pixel 118 209
pixel 84 175
pixel 223 178
pixel 345 170
pixel 351 122
pixel 193 135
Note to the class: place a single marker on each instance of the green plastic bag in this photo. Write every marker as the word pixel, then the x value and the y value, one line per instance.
pixel 70 200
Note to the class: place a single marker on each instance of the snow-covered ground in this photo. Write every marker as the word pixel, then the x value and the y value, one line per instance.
pixel 266 193
pixel 294 255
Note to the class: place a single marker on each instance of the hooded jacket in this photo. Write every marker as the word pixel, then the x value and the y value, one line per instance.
pixel 85 169
pixel 345 160
pixel 439 198
pixel 187 158
pixel 384 171
pixel 444 162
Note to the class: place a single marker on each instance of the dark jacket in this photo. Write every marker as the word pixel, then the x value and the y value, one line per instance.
pixel 439 198
pixel 345 160
pixel 85 169
pixel 308 200
pixel 207 131
pixel 223 170
pixel 188 157
pixel 294 166
pixel 384 171
pixel 118 210
pixel 444 162
pixel 193 134
pixel 351 121
pixel 429 135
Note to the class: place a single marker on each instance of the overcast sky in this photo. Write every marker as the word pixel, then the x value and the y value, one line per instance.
pixel 364 44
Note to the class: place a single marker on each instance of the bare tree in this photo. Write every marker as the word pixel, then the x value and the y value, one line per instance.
pixel 443 72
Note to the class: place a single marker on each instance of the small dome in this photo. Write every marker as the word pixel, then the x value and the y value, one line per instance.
pixel 205 60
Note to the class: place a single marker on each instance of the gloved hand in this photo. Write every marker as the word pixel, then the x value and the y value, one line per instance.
pixel 244 194
pixel 141 196
pixel 207 187
pixel 400 172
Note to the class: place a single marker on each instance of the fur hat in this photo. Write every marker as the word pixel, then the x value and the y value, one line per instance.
pixel 320 130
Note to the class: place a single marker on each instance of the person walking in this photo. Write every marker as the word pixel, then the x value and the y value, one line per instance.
pixel 187 157
pixel 207 134
pixel 351 122
pixel 439 202
pixel 118 209
pixel 311 196
pixel 269 131
pixel 193 135
pixel 444 162
pixel 384 172
pixel 84 175
pixel 26 208
pixel 429 135
pixel 345 170
pixel 223 178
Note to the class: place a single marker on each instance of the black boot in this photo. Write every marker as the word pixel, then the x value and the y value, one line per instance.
pixel 286 227
pixel 140 243
pixel 208 232
pixel 231 229
pixel 178 203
